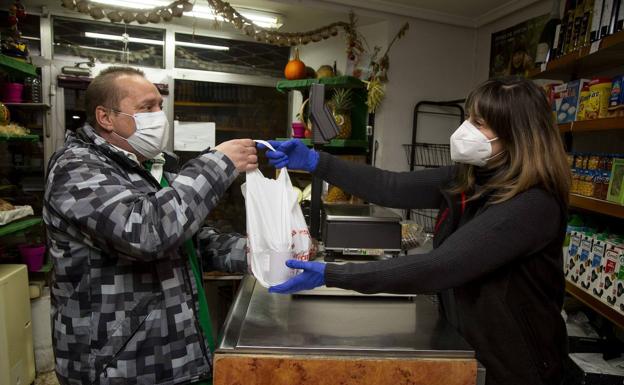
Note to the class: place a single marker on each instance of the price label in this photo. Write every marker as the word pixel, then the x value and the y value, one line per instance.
pixel 594 46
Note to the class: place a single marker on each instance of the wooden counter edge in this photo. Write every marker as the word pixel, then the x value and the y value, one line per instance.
pixel 256 369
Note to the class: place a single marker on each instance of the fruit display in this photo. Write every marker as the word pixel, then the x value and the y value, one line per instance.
pixel 342 104
pixel 295 68
pixel 325 71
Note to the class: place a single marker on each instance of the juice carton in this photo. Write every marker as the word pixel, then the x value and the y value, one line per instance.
pixel 572 258
pixel 584 265
pixel 597 254
pixel 610 269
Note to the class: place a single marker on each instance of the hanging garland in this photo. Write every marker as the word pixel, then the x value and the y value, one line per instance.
pixel 127 15
pixel 269 36
pixel 223 9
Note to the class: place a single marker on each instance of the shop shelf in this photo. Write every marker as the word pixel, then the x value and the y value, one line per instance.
pixel 336 143
pixel 17 66
pixel 331 82
pixel 593 125
pixel 586 61
pixel 19 225
pixel 34 106
pixel 596 304
pixel 19 138
pixel 214 104
pixel 597 206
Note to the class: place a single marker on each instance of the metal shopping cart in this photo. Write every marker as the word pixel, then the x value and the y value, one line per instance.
pixel 430 155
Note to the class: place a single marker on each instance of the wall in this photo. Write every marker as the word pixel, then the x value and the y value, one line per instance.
pixel 484 35
pixel 432 62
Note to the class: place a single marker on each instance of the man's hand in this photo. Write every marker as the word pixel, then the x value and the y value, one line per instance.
pixel 313 275
pixel 242 152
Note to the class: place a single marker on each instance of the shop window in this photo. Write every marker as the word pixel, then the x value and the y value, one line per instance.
pixel 108 43
pixel 225 55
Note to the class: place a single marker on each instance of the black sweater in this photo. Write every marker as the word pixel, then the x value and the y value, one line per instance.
pixel 503 260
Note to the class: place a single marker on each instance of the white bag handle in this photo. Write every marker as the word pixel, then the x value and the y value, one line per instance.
pixel 264 142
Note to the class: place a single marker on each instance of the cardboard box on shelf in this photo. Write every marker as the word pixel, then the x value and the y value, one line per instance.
pixel 572 258
pixel 597 254
pixel 584 265
pixel 567 100
pixel 615 193
pixel 610 269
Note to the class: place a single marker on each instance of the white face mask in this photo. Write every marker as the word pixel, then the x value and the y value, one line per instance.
pixel 151 135
pixel 471 146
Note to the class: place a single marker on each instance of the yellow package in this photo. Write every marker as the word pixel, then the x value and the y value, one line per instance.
pixel 583 100
pixel 598 103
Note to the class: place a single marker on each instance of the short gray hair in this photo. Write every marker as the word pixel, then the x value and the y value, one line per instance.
pixel 104 92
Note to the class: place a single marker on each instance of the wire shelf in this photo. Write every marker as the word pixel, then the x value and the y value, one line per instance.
pixel 426 218
pixel 428 155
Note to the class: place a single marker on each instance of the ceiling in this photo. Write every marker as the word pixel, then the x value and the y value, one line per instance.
pixel 467 13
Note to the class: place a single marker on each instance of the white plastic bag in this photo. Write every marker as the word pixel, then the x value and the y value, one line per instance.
pixel 276 228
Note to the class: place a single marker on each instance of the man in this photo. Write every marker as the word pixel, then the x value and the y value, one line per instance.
pixel 120 219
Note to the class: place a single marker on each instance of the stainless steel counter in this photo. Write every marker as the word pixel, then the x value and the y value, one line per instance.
pixel 260 322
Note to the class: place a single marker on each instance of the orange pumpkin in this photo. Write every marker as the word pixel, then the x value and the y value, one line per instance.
pixel 295 69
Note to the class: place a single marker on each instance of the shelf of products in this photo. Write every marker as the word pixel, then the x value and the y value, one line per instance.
pixel 597 206
pixel 19 225
pixel 330 82
pixel 336 143
pixel 19 138
pixel 213 104
pixel 594 303
pixel 42 106
pixel 17 66
pixel 600 55
pixel 593 125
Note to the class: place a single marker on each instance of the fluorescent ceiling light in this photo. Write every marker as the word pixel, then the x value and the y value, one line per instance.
pixel 260 18
pixel 205 46
pixel 134 4
pixel 105 36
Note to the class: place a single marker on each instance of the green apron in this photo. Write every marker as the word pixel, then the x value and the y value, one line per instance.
pixel 204 312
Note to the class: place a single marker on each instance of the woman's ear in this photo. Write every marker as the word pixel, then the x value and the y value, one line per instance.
pixel 103 117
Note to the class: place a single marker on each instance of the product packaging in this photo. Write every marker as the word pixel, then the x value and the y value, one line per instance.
pixel 598 104
pixel 584 265
pixel 567 99
pixel 615 193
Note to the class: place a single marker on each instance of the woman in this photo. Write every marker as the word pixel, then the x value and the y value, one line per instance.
pixel 498 237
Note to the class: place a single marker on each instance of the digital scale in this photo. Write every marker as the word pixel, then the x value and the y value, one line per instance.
pixel 364 232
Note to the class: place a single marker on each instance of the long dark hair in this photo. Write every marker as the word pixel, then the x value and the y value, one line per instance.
pixel 519 113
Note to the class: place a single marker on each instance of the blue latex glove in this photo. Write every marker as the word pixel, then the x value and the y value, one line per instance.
pixel 293 154
pixel 313 275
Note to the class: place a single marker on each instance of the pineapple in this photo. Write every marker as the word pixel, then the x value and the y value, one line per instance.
pixel 342 103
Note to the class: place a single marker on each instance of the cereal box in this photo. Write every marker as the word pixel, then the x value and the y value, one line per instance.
pixel 566 100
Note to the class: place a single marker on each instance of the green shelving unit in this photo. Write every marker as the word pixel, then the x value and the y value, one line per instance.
pixel 359 112
pixel 335 143
pixel 17 67
pixel 19 225
pixel 332 82
pixel 20 138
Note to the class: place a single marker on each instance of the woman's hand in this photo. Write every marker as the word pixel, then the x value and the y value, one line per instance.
pixel 293 154
pixel 313 275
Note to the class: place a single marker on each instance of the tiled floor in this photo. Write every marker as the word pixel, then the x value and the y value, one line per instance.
pixel 48 378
